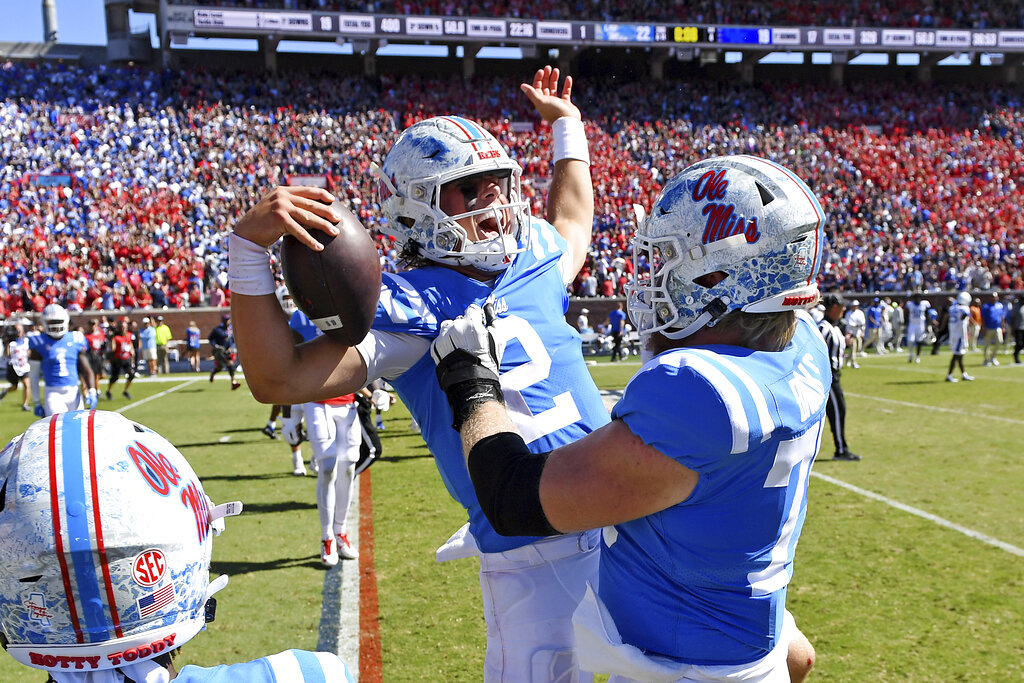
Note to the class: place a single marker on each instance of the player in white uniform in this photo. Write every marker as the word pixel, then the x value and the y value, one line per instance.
pixel 705 465
pixel 453 200
pixel 18 366
pixel 959 321
pixel 917 326
pixel 333 430
pixel 105 568
pixel 63 354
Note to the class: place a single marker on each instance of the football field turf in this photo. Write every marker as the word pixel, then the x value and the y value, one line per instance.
pixel 910 566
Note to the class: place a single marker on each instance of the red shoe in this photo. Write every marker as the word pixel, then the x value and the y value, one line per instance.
pixel 234 385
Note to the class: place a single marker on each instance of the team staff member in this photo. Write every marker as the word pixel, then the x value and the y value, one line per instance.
pixel 831 329
pixel 163 337
pixel 704 467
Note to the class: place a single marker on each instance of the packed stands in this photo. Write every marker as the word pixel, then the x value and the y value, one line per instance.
pixel 120 183
pixel 960 14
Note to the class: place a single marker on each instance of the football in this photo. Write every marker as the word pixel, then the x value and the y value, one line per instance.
pixel 336 288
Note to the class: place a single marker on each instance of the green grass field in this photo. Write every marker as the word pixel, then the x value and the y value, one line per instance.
pixel 883 593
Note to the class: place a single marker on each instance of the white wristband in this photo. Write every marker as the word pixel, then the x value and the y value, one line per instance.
pixel 249 267
pixel 570 140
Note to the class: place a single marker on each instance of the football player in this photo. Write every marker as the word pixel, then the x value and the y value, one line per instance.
pixel 63 354
pixel 917 326
pixel 959 320
pixel 107 573
pixel 706 484
pixel 454 201
pixel 334 432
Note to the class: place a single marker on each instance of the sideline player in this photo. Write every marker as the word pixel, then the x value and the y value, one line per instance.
pixel 18 365
pixel 64 353
pixel 122 358
pixel 222 344
pixel 454 202
pixel 119 613
pixel 705 465
pixel 333 431
pixel 917 326
pixel 959 324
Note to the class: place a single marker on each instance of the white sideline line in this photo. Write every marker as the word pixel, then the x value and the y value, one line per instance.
pixel 938 409
pixel 339 609
pixel 977 535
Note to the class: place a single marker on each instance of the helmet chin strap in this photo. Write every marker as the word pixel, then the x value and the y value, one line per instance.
pixel 709 316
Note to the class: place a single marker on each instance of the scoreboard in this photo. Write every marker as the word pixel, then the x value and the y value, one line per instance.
pixel 315 25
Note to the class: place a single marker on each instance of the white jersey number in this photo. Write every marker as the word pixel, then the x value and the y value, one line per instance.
pixel 796 453
pixel 531 426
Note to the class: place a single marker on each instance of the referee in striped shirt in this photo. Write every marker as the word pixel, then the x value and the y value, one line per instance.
pixel 835 339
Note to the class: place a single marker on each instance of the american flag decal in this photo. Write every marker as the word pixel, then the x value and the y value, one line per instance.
pixel 148 604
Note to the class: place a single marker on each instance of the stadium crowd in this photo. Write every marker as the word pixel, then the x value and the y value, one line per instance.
pixel 958 14
pixel 119 184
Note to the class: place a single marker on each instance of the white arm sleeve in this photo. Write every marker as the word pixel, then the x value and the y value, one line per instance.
pixel 389 354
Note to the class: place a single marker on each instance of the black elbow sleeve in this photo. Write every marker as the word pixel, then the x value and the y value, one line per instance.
pixel 506 476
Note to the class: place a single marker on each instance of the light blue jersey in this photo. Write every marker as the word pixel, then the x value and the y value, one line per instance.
pixel 550 395
pixel 290 666
pixel 704 581
pixel 59 356
pixel 303 326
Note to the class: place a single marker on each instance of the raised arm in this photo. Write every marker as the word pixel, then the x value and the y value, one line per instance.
pixel 276 370
pixel 570 206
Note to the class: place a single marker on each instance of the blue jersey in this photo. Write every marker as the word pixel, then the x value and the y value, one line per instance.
pixel 992 315
pixel 704 581
pixel 193 337
pixel 615 320
pixel 303 326
pixel 290 666
pixel 60 357
pixel 548 390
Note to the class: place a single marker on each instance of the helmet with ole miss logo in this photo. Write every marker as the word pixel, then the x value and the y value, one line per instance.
pixel 728 233
pixel 107 540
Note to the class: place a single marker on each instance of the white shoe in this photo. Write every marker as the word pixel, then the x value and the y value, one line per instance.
pixel 314 465
pixel 918 359
pixel 298 467
pixel 951 378
pixel 328 553
pixel 995 362
pixel 967 378
pixel 345 549
pixel 856 365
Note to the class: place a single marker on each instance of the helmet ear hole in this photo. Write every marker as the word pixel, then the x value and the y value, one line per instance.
pixel 709 280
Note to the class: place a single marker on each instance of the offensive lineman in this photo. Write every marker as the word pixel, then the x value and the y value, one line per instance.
pixel 704 467
pixel 64 354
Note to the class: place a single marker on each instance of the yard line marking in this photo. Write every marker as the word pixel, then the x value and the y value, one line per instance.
pixel 142 401
pixel 954 411
pixel 977 535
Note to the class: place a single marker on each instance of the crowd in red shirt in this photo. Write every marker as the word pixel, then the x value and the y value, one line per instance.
pixel 919 184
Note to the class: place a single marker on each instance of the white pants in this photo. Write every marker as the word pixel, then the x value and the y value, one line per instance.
pixel 529 595
pixel 62 399
pixel 333 432
pixel 601 648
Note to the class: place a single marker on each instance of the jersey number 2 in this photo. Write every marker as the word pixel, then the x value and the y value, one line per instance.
pixel 532 426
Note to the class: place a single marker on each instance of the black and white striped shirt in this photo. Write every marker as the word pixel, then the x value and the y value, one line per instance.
pixel 835 339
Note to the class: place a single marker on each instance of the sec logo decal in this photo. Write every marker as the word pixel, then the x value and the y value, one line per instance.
pixel 149 566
